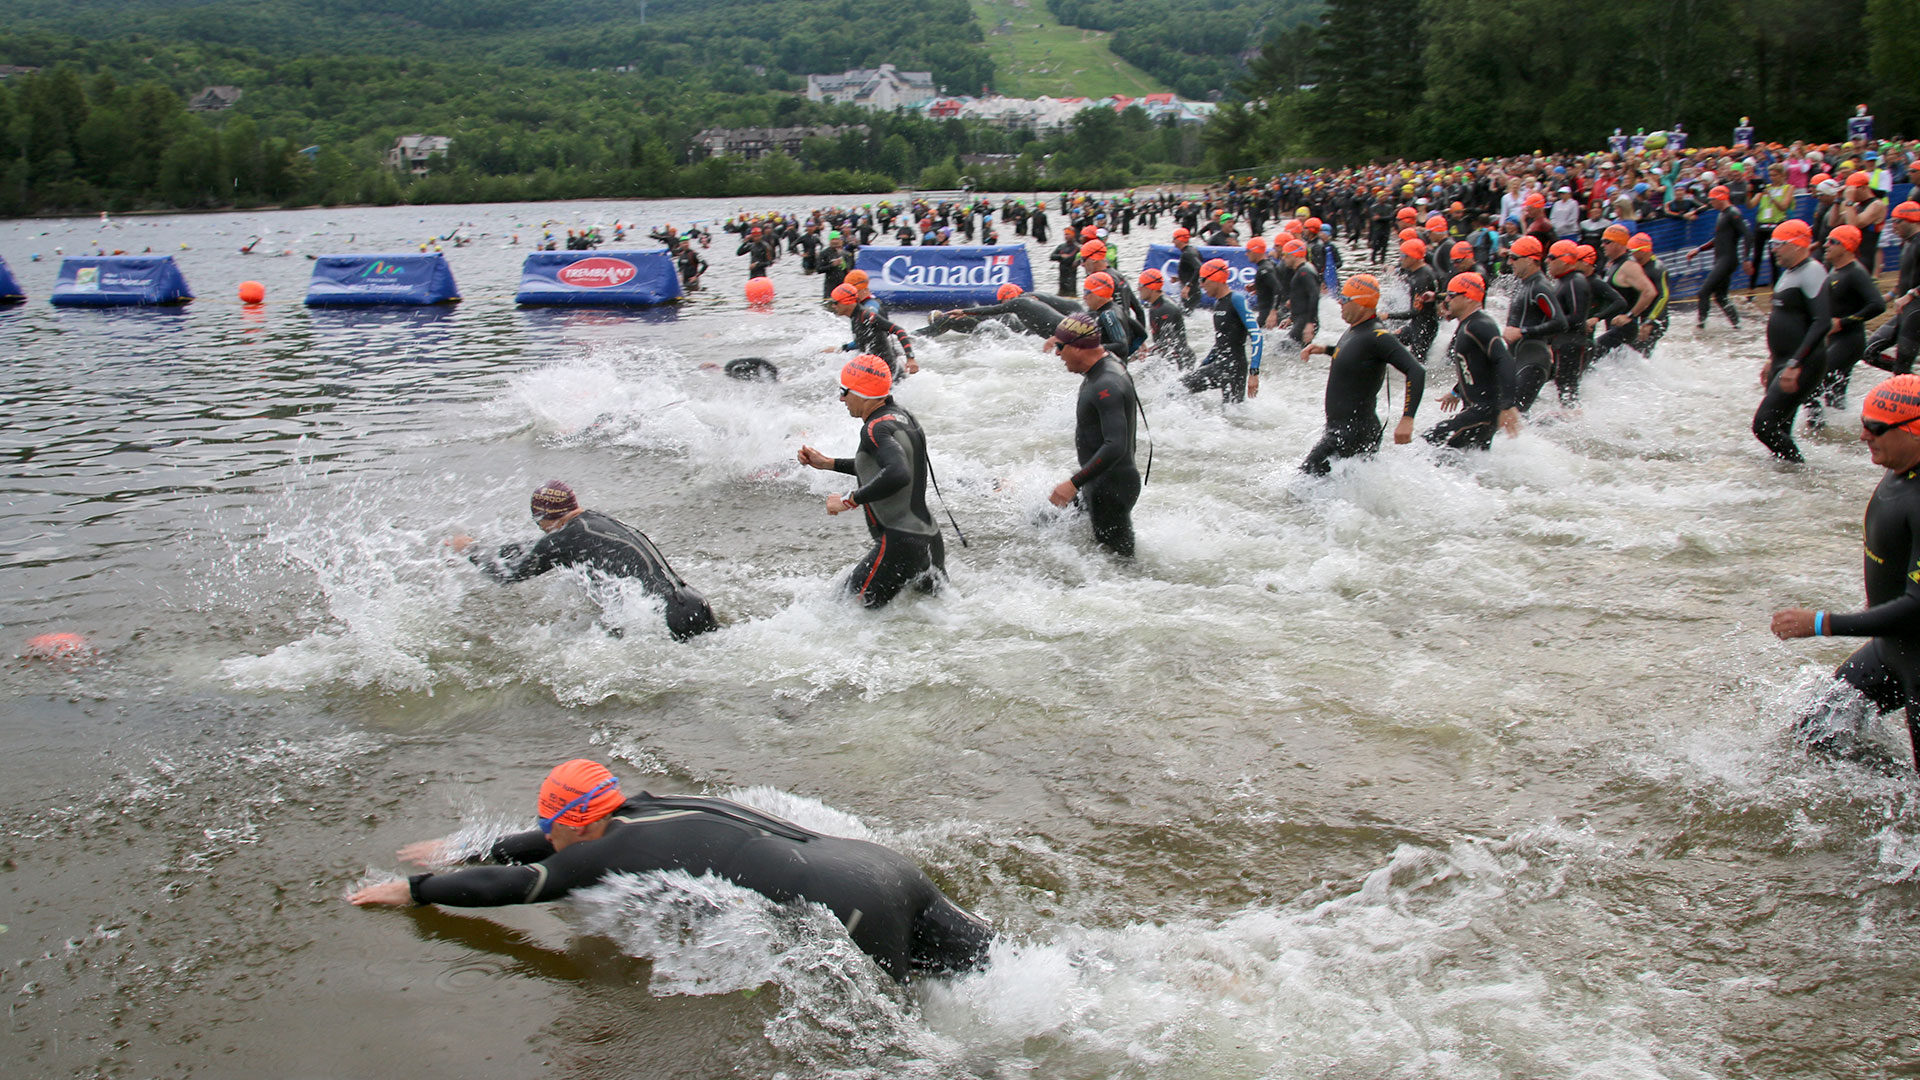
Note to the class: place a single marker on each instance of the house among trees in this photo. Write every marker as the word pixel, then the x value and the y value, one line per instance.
pixel 214 99
pixel 757 142
pixel 884 88
pixel 412 152
pixel 7 71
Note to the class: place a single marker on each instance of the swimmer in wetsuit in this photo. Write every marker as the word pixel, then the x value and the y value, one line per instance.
pixel 1731 234
pixel 1354 377
pixel 589 830
pixel 1027 313
pixel 1189 271
pixel 1233 364
pixel 891 464
pixel 1485 390
pixel 591 539
pixel 1107 484
pixel 1423 297
pixel 1885 672
pixel 1167 321
pixel 1534 321
pixel 1573 290
pixel 1797 332
pixel 1118 331
pixel 1854 301
pixel 873 333
pixel 1629 279
pixel 1902 332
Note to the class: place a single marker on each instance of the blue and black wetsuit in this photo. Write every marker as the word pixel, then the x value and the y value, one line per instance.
pixel 891 910
pixel 891 463
pixel 1235 353
pixel 600 543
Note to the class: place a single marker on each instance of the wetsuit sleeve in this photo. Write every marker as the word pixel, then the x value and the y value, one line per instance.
pixel 1256 343
pixel 1396 353
pixel 896 472
pixel 1111 409
pixel 520 848
pixel 905 339
pixel 1819 320
pixel 844 465
pixel 516 562
pixel 577 867
pixel 988 310
pixel 1555 321
pixel 1898 615
pixel 1874 303
pixel 1606 302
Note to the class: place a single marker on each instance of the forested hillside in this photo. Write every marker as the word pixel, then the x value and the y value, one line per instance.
pixel 1194 46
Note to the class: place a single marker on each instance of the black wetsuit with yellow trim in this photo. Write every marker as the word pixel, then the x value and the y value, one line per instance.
pixel 1886 670
pixel 891 463
pixel 1485 387
pixel 1628 333
pixel 1657 313
pixel 608 546
pixel 891 910
pixel 1354 377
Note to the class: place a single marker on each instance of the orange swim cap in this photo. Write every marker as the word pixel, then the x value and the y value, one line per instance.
pixel 1640 242
pixel 1411 234
pixel 1182 233
pixel 1907 211
pixel 855 278
pixel 1256 246
pixel 1361 289
pixel 1564 249
pixel 1617 234
pixel 1100 284
pixel 1859 179
pixel 1527 247
pixel 1008 292
pixel 1215 270
pixel 1470 285
pixel 1152 279
pixel 1720 193
pixel 1413 249
pixel 577 794
pixel 1587 254
pixel 1795 232
pixel 868 376
pixel 1896 401
pixel 1436 224
pixel 845 294
pixel 1535 200
pixel 1846 236
pixel 1093 249
pixel 1406 213
pixel 1313 224
pixel 1293 247
pixel 1461 250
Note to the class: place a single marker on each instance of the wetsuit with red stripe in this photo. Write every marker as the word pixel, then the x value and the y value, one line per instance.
pixel 891 463
pixel 874 333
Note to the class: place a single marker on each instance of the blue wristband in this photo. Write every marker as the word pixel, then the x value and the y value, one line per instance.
pixel 1819 624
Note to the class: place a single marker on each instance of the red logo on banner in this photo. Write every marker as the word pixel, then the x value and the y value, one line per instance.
pixel 597 273
pixel 999 260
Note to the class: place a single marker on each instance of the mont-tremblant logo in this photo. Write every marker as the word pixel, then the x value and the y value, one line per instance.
pixel 381 268
pixel 599 272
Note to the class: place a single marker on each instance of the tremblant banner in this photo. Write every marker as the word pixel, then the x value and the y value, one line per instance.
pixel 1166 259
pixel 940 277
pixel 10 292
pixel 360 280
pixel 119 281
pixel 599 278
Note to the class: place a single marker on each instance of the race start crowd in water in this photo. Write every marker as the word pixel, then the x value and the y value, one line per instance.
pixel 1556 243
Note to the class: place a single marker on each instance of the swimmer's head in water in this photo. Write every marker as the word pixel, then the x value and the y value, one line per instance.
pixel 867 376
pixel 1895 403
pixel 1008 292
pixel 576 794
pixel 1078 331
pixel 554 499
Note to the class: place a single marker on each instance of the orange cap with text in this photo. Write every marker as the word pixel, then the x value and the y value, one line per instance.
pixel 1362 289
pixel 1472 286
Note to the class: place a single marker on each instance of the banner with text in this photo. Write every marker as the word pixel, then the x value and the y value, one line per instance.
pixel 598 278
pixel 364 280
pixel 941 277
pixel 119 281
pixel 1166 259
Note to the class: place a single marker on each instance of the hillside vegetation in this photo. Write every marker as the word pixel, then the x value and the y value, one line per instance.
pixel 1033 55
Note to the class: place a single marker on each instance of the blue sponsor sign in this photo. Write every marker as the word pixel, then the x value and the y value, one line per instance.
pixel 119 281
pixel 943 277
pixel 363 280
pixel 10 291
pixel 598 278
pixel 1166 259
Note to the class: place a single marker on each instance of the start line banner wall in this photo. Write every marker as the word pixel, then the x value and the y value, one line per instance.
pixel 364 280
pixel 944 277
pixel 1166 259
pixel 598 278
pixel 1673 240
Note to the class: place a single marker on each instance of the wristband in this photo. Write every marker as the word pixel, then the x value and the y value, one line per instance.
pixel 1819 624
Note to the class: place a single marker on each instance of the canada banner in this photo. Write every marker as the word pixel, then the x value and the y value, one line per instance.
pixel 598 278
pixel 942 277
pixel 1166 259
pixel 367 280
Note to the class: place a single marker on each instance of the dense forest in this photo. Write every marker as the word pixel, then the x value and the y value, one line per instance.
pixel 1194 46
pixel 1469 78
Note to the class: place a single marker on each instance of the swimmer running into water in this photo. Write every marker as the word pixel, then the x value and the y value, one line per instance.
pixel 590 830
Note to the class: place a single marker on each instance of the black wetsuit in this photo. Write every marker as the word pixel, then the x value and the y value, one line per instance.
pixel 1303 303
pixel 601 543
pixel 1423 321
pixel 1118 331
pixel 1354 377
pixel 1796 340
pixel 1536 311
pixel 691 266
pixel 1169 325
pixel 1028 313
pixel 1067 255
pixel 1730 233
pixel 1228 363
pixel 1855 300
pixel 892 466
pixel 891 910
pixel 1189 274
pixel 1269 289
pixel 1573 290
pixel 1902 332
pixel 834 267
pixel 1485 386
pixel 876 334
pixel 760 255
pixel 1886 670
pixel 1103 437
pixel 1657 315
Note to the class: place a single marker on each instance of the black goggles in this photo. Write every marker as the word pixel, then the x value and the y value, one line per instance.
pixel 1877 428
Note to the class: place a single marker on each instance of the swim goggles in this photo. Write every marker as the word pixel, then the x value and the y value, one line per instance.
pixel 547 823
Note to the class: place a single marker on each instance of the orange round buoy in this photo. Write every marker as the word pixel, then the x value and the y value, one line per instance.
pixel 252 292
pixel 62 646
pixel 759 290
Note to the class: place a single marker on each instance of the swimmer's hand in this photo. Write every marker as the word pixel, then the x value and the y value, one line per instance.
pixel 459 543
pixel 385 894
pixel 1790 379
pixel 1792 623
pixel 1064 493
pixel 1448 402
pixel 913 366
pixel 1511 334
pixel 837 504
pixel 1253 385
pixel 1510 422
pixel 1403 431
pixel 810 456
pixel 424 853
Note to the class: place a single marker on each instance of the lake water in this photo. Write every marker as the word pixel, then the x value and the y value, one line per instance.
pixel 1440 767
